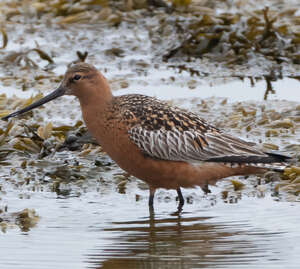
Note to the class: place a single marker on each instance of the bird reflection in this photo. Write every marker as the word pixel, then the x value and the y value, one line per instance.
pixel 178 241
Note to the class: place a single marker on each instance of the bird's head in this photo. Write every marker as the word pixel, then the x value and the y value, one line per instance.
pixel 82 80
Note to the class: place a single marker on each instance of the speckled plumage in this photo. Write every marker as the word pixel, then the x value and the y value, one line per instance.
pixel 152 114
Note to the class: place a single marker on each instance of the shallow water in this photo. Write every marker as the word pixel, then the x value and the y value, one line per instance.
pixel 233 89
pixel 98 224
pixel 115 231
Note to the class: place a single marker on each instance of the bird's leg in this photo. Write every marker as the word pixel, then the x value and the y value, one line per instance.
pixel 181 199
pixel 205 188
pixel 151 196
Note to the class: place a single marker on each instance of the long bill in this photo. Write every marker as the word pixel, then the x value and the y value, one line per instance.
pixel 57 93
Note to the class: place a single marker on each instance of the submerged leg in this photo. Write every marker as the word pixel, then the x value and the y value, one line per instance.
pixel 151 196
pixel 181 199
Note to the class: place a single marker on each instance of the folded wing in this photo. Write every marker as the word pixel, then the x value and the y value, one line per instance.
pixel 193 146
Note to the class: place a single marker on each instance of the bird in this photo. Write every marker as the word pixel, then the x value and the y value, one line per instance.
pixel 163 145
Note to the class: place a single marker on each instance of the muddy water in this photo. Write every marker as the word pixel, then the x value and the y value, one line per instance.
pixel 99 224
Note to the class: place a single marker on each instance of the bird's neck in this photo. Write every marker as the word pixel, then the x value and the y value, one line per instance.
pixel 95 105
pixel 97 96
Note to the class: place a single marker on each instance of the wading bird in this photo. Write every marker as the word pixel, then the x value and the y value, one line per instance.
pixel 165 146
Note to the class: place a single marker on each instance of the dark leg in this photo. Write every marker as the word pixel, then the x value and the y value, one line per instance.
pixel 181 199
pixel 151 196
pixel 205 188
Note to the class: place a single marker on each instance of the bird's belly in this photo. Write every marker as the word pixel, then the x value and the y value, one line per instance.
pixel 163 173
pixel 158 173
pixel 174 174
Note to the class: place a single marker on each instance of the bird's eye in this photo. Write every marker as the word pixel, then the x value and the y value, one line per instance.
pixel 77 77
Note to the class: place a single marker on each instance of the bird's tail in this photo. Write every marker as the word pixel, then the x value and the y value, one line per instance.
pixel 276 162
pixel 271 161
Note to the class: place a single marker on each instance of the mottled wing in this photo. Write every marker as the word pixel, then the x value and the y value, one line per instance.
pixel 193 145
pixel 170 133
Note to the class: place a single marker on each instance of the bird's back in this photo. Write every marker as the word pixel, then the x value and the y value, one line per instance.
pixel 153 114
pixel 169 133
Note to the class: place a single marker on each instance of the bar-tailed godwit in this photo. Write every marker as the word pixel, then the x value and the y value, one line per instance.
pixel 165 146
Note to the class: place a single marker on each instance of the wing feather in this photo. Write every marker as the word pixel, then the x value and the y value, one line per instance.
pixel 190 145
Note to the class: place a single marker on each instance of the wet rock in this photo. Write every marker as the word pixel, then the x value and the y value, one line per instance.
pixel 75 141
